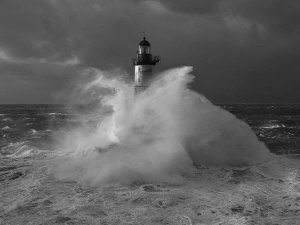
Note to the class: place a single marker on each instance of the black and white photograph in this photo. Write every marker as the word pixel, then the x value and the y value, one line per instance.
pixel 150 112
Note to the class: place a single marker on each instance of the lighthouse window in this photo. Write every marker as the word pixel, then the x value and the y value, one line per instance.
pixel 141 50
pixel 147 50
pixel 144 50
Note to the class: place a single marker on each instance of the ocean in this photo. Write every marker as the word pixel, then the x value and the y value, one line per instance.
pixel 31 129
pixel 30 194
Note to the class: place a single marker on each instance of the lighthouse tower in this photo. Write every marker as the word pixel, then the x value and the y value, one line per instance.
pixel 143 64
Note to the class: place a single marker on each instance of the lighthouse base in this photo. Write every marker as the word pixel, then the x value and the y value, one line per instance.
pixel 139 89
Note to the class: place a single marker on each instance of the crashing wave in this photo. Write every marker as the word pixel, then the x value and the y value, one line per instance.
pixel 156 135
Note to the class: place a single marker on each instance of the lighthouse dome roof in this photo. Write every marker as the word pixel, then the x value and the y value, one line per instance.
pixel 144 42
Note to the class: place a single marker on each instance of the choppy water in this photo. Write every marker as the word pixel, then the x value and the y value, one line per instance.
pixel 278 126
pixel 29 194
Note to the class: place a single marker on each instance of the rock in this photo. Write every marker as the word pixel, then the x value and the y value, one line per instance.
pixel 16 175
pixel 62 219
pixel 237 209
pixel 150 188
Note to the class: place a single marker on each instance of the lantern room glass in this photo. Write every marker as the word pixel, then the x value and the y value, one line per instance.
pixel 144 49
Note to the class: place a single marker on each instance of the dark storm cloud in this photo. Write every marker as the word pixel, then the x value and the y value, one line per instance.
pixel 276 15
pixel 32 29
pixel 239 48
pixel 258 60
pixel 281 15
pixel 190 6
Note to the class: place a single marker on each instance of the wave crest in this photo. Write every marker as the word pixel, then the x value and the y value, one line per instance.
pixel 157 135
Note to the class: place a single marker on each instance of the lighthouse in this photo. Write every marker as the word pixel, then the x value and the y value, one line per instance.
pixel 143 66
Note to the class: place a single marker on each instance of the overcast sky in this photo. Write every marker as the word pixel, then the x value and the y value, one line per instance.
pixel 241 50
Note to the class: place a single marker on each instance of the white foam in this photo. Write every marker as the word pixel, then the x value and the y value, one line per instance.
pixel 19 149
pixel 156 136
pixel 5 128
pixel 7 119
pixel 273 125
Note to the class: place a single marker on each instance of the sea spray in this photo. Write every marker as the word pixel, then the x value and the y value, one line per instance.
pixel 157 135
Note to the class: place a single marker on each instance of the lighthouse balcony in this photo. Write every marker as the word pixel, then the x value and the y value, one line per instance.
pixel 146 59
pixel 156 58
